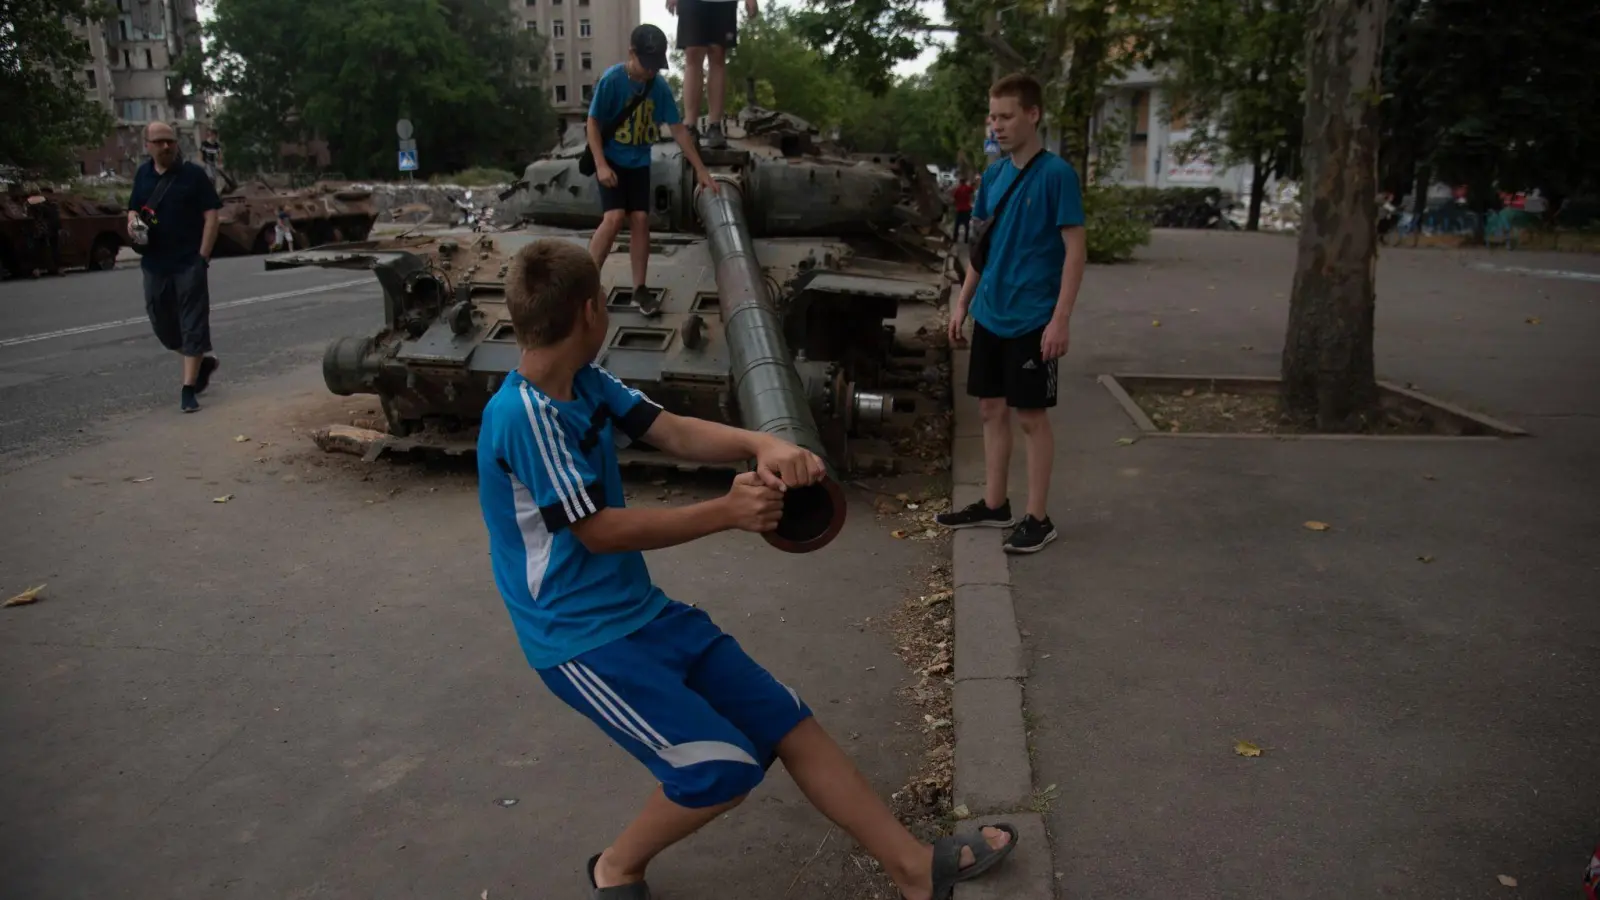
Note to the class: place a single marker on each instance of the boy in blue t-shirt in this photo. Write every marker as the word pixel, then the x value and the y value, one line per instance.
pixel 1021 306
pixel 655 675
pixel 622 163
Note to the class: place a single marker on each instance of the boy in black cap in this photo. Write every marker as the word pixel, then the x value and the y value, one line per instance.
pixel 621 147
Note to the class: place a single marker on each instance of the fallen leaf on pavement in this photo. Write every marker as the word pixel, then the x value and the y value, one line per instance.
pixel 1188 392
pixel 1245 748
pixel 23 599
pixel 1246 347
pixel 897 533
pixel 1507 880
pixel 223 499
pixel 143 480
pixel 1430 478
pixel 1155 323
pixel 961 812
pixel 1425 559
pixel 1124 441
pixel 240 439
pixel 1532 320
pixel 1314 525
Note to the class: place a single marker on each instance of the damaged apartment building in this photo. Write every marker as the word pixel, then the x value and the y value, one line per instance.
pixel 132 74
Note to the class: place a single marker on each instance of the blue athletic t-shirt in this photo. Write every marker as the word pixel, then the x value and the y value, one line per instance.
pixel 1022 275
pixel 630 146
pixel 544 464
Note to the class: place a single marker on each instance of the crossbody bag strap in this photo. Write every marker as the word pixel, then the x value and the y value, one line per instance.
pixel 627 111
pixel 161 188
pixel 1013 186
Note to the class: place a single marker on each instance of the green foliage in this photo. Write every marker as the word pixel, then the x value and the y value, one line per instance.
pixel 345 70
pixel 1116 223
pixel 48 113
pixel 477 176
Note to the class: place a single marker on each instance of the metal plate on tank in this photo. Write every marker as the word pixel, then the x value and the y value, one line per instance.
pixel 439 345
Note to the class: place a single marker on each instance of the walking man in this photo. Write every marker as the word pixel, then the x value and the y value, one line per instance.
pixel 176 205
pixel 1020 305
pixel 707 30
pixel 631 102
pixel 962 195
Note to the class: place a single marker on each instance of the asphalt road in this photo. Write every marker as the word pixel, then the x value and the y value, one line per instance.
pixel 77 349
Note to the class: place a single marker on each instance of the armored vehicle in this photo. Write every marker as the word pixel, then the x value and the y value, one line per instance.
pixel 323 213
pixel 89 232
pixel 777 296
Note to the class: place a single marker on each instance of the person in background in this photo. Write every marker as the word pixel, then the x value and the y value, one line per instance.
pixel 210 153
pixel 962 195
pixel 622 162
pixel 174 206
pixel 1021 309
pixel 707 30
pixel 284 235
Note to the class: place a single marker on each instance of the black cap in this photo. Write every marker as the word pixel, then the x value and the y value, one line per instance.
pixel 649 43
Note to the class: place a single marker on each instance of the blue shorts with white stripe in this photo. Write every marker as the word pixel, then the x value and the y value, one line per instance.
pixel 687 701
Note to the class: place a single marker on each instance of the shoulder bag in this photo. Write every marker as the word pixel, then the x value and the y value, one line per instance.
pixel 979 253
pixel 586 161
pixel 147 210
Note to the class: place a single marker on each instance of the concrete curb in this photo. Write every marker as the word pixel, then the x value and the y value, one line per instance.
pixel 993 771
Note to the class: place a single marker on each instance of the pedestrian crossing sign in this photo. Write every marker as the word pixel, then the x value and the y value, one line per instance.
pixel 408 160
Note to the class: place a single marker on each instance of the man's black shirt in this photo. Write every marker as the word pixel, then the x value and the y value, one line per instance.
pixel 179 217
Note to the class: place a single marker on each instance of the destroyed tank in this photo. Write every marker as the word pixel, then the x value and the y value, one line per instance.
pixel 324 213
pixel 777 299
pixel 90 232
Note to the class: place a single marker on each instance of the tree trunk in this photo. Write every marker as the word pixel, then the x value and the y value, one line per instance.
pixel 1258 186
pixel 1419 201
pixel 1327 354
pixel 1083 85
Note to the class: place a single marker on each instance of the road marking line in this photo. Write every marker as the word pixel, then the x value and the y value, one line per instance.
pixel 85 329
pixel 1547 273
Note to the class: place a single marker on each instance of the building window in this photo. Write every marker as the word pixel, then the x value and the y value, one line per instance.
pixel 149 60
pixel 127 61
pixel 89 74
pixel 583 28
pixel 558 28
pixel 561 93
pixel 122 27
pixel 533 27
pixel 561 62
pixel 530 2
pixel 588 92
pixel 585 61
pixel 583 2
pixel 130 110
pixel 555 2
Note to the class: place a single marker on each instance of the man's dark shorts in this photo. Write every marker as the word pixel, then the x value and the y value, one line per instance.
pixel 1011 368
pixel 179 307
pixel 632 192
pixel 701 24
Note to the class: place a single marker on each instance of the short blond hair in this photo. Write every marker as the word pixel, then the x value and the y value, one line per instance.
pixel 547 286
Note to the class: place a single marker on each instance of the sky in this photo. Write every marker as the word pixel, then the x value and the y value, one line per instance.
pixel 655 12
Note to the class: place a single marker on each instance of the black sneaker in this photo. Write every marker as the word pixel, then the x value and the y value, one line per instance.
pixel 715 139
pixel 189 403
pixel 208 364
pixel 648 301
pixel 1030 535
pixel 977 515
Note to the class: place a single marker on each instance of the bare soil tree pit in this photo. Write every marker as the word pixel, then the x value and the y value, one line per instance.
pixel 1246 406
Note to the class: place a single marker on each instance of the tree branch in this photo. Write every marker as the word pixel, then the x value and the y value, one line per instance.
pixel 992 42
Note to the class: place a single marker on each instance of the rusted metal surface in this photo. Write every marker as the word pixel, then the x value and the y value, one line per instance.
pixel 790 295
pixel 324 213
pixel 89 232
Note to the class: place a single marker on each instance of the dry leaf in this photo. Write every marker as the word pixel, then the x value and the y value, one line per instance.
pixel 23 599
pixel 1429 478
pixel 1507 880
pixel 1155 323
pixel 1532 320
pixel 1246 347
pixel 1425 559
pixel 143 480
pixel 1245 748
pixel 1188 392
pixel 1124 441
pixel 961 812
pixel 898 533
pixel 1314 525
pixel 240 439
pixel 223 499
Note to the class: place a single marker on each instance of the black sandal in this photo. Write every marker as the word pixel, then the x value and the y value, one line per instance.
pixel 635 891
pixel 947 869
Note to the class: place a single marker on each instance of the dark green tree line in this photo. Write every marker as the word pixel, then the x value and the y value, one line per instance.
pixel 48 113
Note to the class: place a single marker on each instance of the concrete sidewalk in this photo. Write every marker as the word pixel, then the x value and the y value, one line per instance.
pixel 312 689
pixel 1428 726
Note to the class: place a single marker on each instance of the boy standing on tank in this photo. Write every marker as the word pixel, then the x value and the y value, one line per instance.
pixel 622 160
pixel 657 676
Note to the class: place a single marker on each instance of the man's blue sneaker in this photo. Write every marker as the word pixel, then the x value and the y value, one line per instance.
pixel 190 404
pixel 208 364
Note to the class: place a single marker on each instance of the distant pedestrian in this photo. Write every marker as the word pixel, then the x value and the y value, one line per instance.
pixel 707 30
pixel 210 154
pixel 962 195
pixel 283 235
pixel 631 102
pixel 1031 207
pixel 174 207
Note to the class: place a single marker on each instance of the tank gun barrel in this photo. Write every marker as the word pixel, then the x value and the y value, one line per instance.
pixel 770 395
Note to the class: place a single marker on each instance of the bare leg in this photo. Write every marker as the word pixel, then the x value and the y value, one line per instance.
pixel 604 236
pixel 694 60
pixel 715 78
pixel 191 370
pixel 1041 447
pixel 639 245
pixel 996 449
pixel 839 791
pixel 658 826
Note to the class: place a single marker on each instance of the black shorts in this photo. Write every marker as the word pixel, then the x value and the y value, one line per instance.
pixel 1011 368
pixel 179 307
pixel 632 192
pixel 702 23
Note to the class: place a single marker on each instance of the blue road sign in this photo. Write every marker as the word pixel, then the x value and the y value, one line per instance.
pixel 408 160
pixel 991 146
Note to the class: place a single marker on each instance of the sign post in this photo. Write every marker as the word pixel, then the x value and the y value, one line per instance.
pixel 408 148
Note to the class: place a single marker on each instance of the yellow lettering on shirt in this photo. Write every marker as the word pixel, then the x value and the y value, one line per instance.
pixel 641 127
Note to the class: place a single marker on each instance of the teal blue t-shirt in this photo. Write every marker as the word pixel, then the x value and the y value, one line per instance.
pixel 630 146
pixel 1022 274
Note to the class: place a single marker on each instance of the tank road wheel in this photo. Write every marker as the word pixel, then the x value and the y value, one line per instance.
pixel 103 256
pixel 345 369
